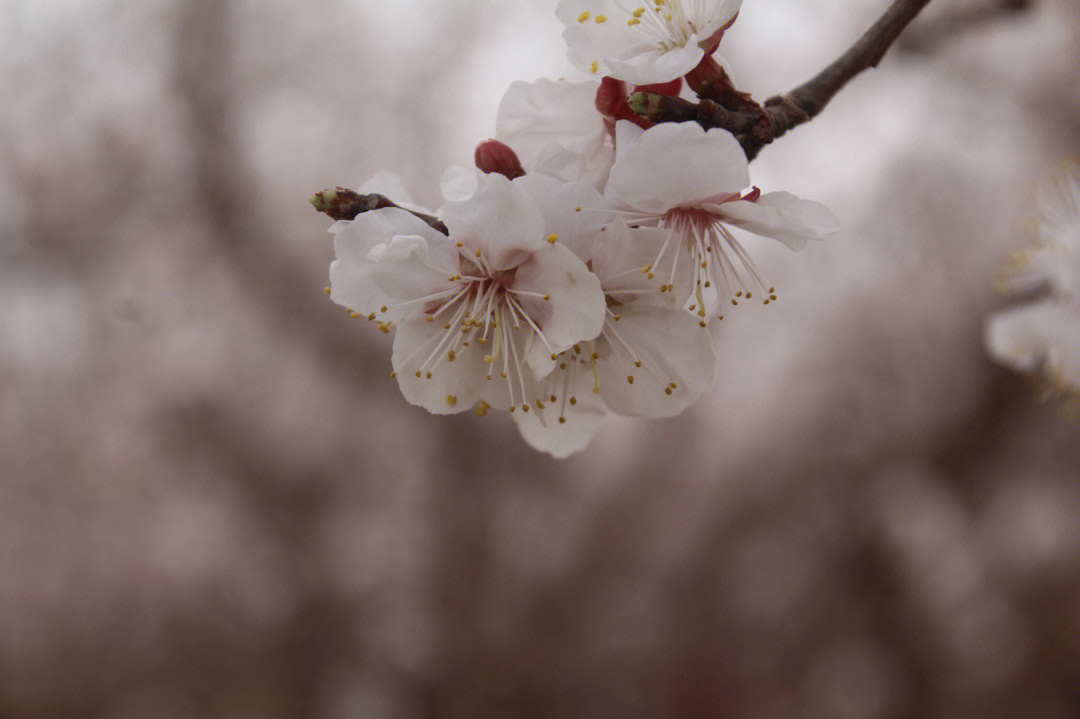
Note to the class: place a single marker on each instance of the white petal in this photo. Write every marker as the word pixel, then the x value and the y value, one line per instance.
pixel 673 349
pixel 454 386
pixel 678 165
pixel 575 310
pixel 714 15
pixel 554 128
pixel 574 211
pixel 388 184
pixel 499 220
pixel 545 432
pixel 784 217
pixel 568 166
pixel 459 183
pixel 1043 335
pixel 656 65
pixel 350 275
pixel 406 268
pixel 621 253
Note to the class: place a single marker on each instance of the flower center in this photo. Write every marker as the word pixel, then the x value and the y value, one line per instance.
pixel 718 260
pixel 483 310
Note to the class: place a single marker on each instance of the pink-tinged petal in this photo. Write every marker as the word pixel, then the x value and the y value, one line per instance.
pixel 573 211
pixel 672 348
pixel 784 217
pixel 575 309
pixel 543 429
pixel 351 282
pixel 453 387
pixel 1040 336
pixel 678 165
pixel 500 221
pixel 618 259
pixel 657 66
pixel 406 269
pixel 714 15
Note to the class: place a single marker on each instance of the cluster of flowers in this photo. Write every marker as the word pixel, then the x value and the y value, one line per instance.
pixel 573 272
pixel 1043 336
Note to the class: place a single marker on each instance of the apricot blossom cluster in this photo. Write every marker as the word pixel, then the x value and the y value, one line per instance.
pixel 575 271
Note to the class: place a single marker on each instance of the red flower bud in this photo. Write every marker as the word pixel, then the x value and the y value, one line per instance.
pixel 493 156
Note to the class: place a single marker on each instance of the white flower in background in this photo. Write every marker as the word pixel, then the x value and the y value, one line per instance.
pixel 691 182
pixel 482 314
pixel 646 42
pixel 1044 336
pixel 556 130
pixel 651 359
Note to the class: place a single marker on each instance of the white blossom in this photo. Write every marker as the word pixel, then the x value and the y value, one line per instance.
pixel 1043 336
pixel 691 182
pixel 480 314
pixel 651 359
pixel 643 42
pixel 555 128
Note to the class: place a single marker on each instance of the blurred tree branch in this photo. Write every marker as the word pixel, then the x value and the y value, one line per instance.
pixel 758 125
pixel 925 37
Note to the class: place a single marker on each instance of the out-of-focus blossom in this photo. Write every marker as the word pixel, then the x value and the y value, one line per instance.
pixel 691 182
pixel 645 42
pixel 1044 336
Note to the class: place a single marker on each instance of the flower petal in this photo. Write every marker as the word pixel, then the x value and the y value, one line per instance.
pixel 619 257
pixel 784 217
pixel 678 165
pixel 573 211
pixel 656 65
pixel 582 420
pixel 555 129
pixel 453 387
pixel 1043 335
pixel 575 309
pixel 459 183
pixel 500 221
pixel 715 14
pixel 405 268
pixel 672 348
pixel 351 281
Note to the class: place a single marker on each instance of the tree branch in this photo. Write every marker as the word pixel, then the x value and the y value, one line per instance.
pixel 757 127
pixel 344 204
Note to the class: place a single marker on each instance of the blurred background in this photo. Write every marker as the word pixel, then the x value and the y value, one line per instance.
pixel 215 503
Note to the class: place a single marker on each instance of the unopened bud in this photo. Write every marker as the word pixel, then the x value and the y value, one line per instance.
pixel 493 156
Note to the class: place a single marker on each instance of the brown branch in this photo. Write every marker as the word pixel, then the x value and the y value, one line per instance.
pixel 756 127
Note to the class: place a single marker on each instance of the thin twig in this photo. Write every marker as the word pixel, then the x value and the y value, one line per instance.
pixel 344 204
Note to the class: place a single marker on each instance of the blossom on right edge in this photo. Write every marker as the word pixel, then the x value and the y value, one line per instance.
pixel 1043 337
